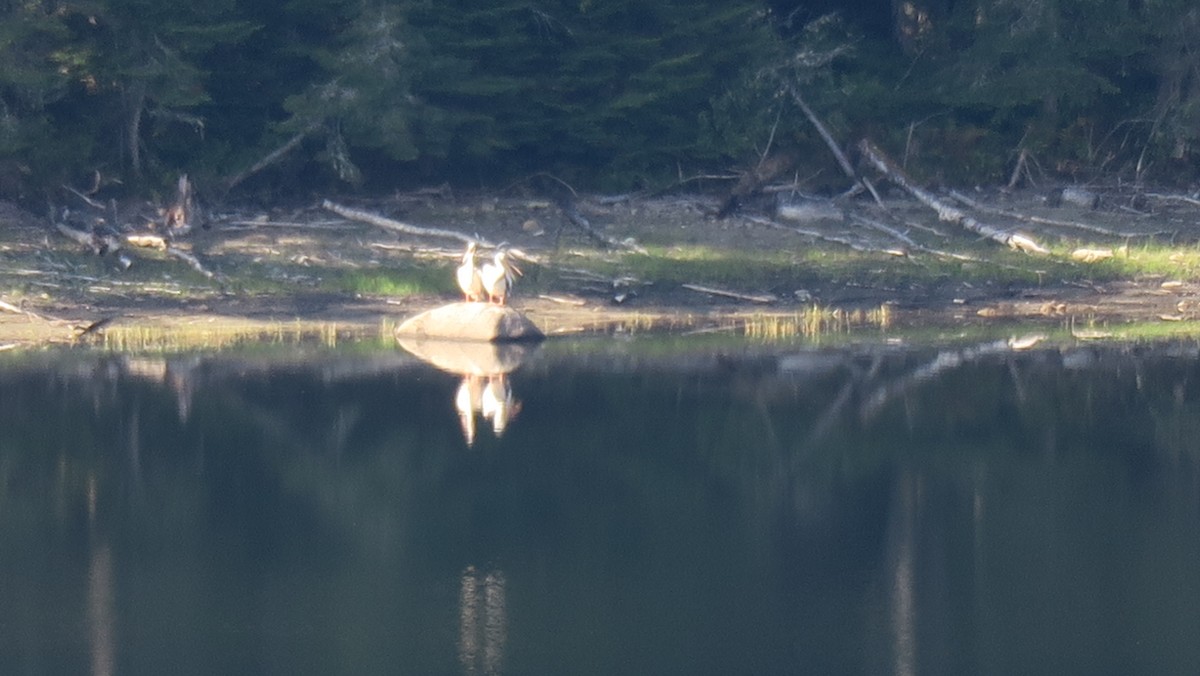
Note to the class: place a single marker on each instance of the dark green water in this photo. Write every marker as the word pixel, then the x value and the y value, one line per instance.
pixel 859 511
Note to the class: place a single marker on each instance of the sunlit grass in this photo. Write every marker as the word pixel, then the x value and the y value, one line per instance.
pixel 1143 331
pixel 814 322
pixel 399 283
pixel 221 335
pixel 987 265
pixel 1176 262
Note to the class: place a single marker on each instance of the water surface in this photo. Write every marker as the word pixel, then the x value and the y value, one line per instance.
pixel 619 509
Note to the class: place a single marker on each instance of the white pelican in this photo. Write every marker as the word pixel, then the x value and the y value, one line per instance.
pixel 497 277
pixel 468 276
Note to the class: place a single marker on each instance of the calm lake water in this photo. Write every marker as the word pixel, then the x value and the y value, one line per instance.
pixel 621 508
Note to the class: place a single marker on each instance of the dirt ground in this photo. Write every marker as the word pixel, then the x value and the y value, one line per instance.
pixel 304 268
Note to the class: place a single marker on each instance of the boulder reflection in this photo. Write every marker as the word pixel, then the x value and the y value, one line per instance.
pixel 485 390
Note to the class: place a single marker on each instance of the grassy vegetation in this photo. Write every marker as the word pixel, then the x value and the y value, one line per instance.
pixel 227 334
pixel 823 267
pixel 398 283
pixel 988 265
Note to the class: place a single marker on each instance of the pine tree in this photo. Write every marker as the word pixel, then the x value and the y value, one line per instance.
pixel 35 65
pixel 140 81
pixel 617 87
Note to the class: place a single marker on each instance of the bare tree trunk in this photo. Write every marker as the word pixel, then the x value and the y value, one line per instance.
pixel 823 131
pixel 137 106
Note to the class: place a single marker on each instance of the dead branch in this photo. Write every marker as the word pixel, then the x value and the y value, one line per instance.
pixel 563 300
pixel 1022 169
pixel 940 253
pixel 580 221
pixel 973 204
pixel 313 225
pixel 1174 198
pixel 9 307
pixel 191 260
pixel 271 157
pixel 86 199
pixel 753 298
pixel 832 143
pixel 945 211
pixel 887 230
pixel 397 226
pixel 94 328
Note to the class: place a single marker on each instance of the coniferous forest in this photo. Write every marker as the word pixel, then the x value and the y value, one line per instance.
pixel 305 97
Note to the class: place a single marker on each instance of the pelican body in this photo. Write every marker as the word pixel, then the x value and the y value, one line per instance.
pixel 497 277
pixel 468 276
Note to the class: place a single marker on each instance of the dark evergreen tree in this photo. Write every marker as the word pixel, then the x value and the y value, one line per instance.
pixel 584 87
pixel 37 62
pixel 361 95
pixel 142 80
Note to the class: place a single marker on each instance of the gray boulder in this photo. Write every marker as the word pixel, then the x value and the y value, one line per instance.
pixel 470 321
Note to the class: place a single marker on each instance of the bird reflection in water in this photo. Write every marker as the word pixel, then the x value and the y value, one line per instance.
pixel 482 621
pixel 488 396
pixel 485 389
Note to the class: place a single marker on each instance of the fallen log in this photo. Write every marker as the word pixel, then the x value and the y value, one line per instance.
pixel 400 227
pixel 147 240
pixel 1008 213
pixel 753 298
pixel 946 212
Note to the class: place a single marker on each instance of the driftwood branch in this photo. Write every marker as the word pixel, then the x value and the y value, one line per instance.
pixel 398 226
pixel 1174 198
pixel 580 221
pixel 753 298
pixel 973 204
pixel 946 212
pixel 191 260
pixel 9 307
pixel 887 230
pixel 271 157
